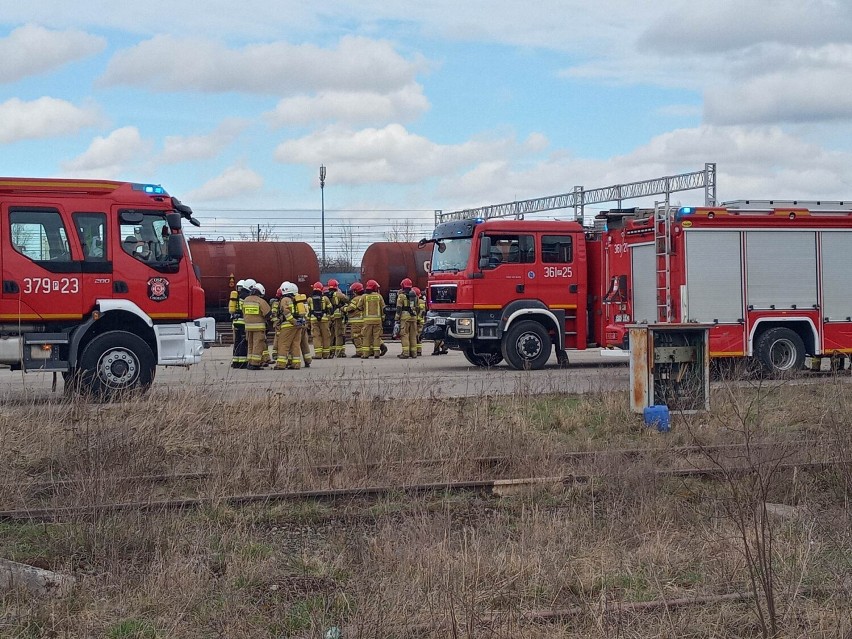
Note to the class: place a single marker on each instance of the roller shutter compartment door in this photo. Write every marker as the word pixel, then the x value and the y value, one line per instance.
pixel 836 272
pixel 644 261
pixel 782 269
pixel 714 276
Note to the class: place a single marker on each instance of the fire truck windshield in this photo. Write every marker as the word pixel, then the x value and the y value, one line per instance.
pixel 451 254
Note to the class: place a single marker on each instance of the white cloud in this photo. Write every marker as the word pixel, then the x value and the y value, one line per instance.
pixel 167 63
pixel 233 182
pixel 785 85
pixel 32 49
pixel 184 148
pixel 43 118
pixel 729 25
pixel 110 156
pixel 752 163
pixel 390 155
pixel 352 108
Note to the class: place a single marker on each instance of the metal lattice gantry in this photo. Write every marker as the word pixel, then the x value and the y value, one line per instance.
pixel 580 197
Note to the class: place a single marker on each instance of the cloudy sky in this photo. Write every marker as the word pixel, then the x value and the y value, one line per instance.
pixel 416 106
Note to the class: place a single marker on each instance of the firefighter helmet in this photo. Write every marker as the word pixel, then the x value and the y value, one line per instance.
pixel 357 287
pixel 333 283
pixel 416 291
pixel 248 284
pixel 317 286
pixel 288 288
pixel 372 285
pixel 260 288
pixel 241 284
pixel 406 283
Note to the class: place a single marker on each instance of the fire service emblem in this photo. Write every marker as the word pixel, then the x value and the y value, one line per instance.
pixel 158 289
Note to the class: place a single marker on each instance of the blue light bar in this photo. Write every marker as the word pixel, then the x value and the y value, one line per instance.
pixel 686 210
pixel 150 189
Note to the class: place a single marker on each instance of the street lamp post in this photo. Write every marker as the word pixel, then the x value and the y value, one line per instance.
pixel 322 196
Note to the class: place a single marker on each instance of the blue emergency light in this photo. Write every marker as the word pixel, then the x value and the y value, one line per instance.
pixel 150 189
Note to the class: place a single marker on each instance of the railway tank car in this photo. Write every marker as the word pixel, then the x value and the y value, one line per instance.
pixel 389 262
pixel 267 262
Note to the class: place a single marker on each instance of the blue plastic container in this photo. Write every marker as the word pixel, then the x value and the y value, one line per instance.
pixel 658 417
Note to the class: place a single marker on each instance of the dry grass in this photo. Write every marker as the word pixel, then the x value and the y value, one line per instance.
pixel 438 566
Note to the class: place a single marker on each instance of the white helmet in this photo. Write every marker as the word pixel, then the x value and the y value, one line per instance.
pixel 288 288
pixel 249 283
pixel 260 288
pixel 241 284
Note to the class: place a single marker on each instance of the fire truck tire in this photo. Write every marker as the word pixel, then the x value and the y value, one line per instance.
pixel 780 351
pixel 526 345
pixel 114 363
pixel 483 360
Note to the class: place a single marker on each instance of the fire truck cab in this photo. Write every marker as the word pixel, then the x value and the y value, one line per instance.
pixel 509 289
pixel 97 283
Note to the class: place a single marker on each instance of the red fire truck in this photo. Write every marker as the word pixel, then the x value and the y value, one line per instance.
pixel 98 283
pixel 769 276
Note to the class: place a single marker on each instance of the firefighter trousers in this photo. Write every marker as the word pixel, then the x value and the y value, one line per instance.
pixel 322 338
pixel 289 342
pixel 256 339
pixel 371 339
pixel 305 347
pixel 240 352
pixel 408 336
pixel 338 337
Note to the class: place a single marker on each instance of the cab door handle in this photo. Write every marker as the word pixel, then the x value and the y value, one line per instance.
pixel 10 286
pixel 519 288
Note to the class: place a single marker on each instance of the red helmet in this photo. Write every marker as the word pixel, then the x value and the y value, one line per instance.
pixel 416 291
pixel 406 283
pixel 357 287
pixel 372 285
pixel 317 286
pixel 332 283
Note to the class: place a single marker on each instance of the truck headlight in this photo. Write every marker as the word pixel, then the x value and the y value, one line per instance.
pixel 464 326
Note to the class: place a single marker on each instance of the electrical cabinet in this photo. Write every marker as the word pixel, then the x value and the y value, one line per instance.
pixel 670 366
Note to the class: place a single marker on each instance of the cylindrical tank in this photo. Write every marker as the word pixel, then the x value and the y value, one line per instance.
pixel 389 262
pixel 269 263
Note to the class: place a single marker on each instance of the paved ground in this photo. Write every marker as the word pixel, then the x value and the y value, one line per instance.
pixel 427 376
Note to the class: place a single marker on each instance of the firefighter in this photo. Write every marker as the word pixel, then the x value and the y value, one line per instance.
pixel 271 350
pixel 239 357
pixel 354 315
pixel 407 305
pixel 302 314
pixel 255 312
pixel 337 326
pixel 421 318
pixel 319 309
pixel 288 335
pixel 372 306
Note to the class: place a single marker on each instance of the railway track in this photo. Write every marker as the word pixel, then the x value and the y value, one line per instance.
pixel 482 464
pixel 498 486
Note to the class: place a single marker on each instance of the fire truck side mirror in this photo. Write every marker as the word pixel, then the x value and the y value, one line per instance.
pixel 484 251
pixel 173 220
pixel 484 247
pixel 175 247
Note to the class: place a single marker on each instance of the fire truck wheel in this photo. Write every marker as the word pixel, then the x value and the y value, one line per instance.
pixel 526 345
pixel 780 351
pixel 483 360
pixel 116 362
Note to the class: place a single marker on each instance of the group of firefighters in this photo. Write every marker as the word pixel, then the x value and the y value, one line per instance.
pixel 324 315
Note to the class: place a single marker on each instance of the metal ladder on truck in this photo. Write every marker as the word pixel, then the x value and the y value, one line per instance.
pixel 663 251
